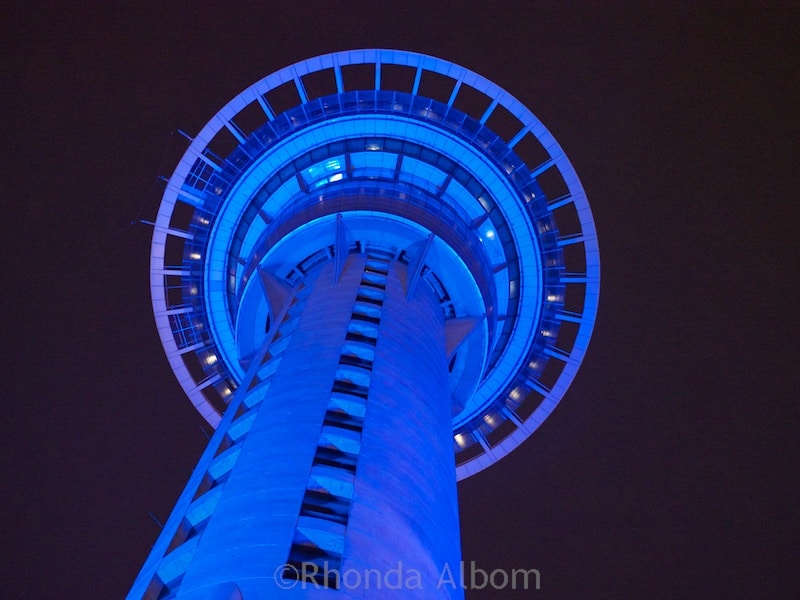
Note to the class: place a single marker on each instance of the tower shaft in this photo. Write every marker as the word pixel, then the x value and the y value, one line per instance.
pixel 337 471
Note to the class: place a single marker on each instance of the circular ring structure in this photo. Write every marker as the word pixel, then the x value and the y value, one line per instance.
pixel 400 153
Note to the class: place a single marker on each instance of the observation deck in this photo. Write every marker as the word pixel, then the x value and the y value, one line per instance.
pixel 401 155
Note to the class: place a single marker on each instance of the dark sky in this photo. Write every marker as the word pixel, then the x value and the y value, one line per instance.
pixel 671 467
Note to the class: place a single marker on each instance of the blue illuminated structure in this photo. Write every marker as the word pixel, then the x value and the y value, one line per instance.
pixel 374 273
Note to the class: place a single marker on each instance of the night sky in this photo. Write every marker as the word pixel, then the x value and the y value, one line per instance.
pixel 670 469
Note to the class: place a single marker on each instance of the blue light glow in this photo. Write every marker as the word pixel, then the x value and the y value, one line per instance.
pixel 396 200
pixel 454 193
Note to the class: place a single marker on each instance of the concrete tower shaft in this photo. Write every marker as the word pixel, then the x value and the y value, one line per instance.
pixel 343 416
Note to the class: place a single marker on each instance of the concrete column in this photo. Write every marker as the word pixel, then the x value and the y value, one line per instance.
pixel 396 532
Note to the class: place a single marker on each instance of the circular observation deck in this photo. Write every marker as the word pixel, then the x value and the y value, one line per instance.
pixel 393 153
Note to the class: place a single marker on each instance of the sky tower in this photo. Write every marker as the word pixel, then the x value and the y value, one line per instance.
pixel 374 273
